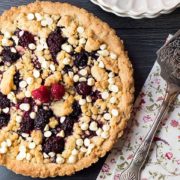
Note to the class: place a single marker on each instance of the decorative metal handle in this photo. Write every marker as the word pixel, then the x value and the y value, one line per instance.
pixel 133 171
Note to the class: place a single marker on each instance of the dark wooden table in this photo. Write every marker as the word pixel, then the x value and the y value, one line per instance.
pixel 141 37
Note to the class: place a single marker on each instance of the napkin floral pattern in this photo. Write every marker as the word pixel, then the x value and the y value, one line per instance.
pixel 164 159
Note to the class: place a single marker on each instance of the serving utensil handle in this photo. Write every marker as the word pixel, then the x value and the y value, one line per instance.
pixel 133 171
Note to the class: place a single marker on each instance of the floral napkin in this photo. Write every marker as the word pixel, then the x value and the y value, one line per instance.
pixel 164 159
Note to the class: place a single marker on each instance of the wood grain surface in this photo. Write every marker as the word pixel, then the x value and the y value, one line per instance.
pixel 142 38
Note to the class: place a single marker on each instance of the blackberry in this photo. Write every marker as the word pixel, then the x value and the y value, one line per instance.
pixel 95 95
pixel 54 41
pixel 27 124
pixel 4 101
pixel 26 39
pixel 67 68
pixel 53 144
pixel 9 56
pixel 16 79
pixel 81 59
pixel 4 119
pixel 83 89
pixel 42 118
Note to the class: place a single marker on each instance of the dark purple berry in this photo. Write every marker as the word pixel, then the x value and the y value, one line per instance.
pixel 26 39
pixel 67 68
pixel 9 56
pixel 27 124
pixel 67 125
pixel 16 79
pixel 54 41
pixel 53 144
pixel 36 63
pixel 95 95
pixel 81 59
pixel 4 101
pixel 4 119
pixel 83 89
pixel 42 118
pixel 76 110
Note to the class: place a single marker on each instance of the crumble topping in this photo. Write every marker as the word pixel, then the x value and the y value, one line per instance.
pixel 59 89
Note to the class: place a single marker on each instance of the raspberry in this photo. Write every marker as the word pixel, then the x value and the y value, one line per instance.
pixel 53 144
pixel 42 94
pixel 8 56
pixel 4 119
pixel 57 91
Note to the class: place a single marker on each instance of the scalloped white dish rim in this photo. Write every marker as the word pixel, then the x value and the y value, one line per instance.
pixel 138 16
pixel 134 12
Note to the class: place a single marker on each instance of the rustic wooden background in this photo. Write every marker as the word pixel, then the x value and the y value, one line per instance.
pixel 142 38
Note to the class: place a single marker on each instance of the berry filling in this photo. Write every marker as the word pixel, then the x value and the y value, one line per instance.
pixel 81 59
pixel 42 118
pixel 16 79
pixel 25 38
pixel 95 95
pixel 4 119
pixel 83 89
pixel 4 101
pixel 9 56
pixel 27 124
pixel 67 68
pixel 54 42
pixel 53 144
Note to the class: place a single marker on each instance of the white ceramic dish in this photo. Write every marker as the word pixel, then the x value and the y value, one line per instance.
pixel 138 9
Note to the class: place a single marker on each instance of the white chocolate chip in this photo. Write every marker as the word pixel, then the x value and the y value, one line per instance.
pixel 82 79
pixel 99 132
pixel 6 110
pixel 88 99
pixel 62 119
pixel 105 95
pixel 72 159
pixel 29 80
pixel 83 149
pixel 22 148
pixel 107 116
pixel 47 134
pixel 103 52
pixel 66 61
pixel 21 156
pixel 113 88
pixel 45 155
pixel 74 152
pixel 86 142
pixel 101 64
pixel 111 80
pixel 27 93
pixel 59 160
pixel 46 127
pixel 90 82
pixel 32 115
pixel 103 46
pixel 30 16
pixel 113 100
pixel 9 143
pixel 79 142
pixel 83 72
pixel 22 84
pixel 80 30
pixel 4 144
pixel 32 145
pixel 3 150
pixel 61 133
pixel 106 127
pixel 115 112
pixel 113 56
pixel 49 21
pixel 52 67
pixel 82 102
pixel 84 126
pixel 82 41
pixel 67 47
pixel 44 23
pixel 93 126
pixel 105 134
pixel 24 106
pixel 111 74
pixel 28 156
pixel 7 34
pixel 32 46
pixel 25 135
pixel 36 73
pixel 76 78
pixel 38 16
pixel 18 119
pixel 51 154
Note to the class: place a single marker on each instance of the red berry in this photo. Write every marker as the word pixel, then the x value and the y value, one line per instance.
pixel 42 94
pixel 57 91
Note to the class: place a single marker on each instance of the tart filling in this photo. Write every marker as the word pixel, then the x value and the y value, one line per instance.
pixel 60 89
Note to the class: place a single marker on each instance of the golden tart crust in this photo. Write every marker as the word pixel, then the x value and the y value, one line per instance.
pixel 94 35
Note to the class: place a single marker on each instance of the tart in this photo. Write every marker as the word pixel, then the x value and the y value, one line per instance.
pixel 66 89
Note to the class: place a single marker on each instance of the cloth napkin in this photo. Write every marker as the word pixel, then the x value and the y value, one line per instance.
pixel 164 159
